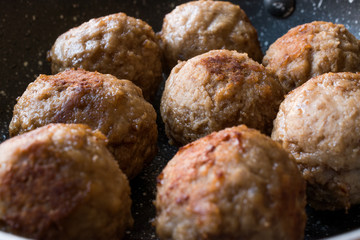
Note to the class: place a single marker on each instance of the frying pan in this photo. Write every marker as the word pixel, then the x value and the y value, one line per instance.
pixel 29 28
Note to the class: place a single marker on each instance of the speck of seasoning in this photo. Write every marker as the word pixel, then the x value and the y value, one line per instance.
pixel 26 64
pixel 320 3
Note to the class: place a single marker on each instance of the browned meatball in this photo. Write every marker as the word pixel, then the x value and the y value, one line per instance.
pixel 312 49
pixel 232 184
pixel 115 107
pixel 216 90
pixel 116 44
pixel 61 182
pixel 197 27
pixel 319 124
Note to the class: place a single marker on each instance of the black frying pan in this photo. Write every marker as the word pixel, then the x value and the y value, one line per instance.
pixel 29 28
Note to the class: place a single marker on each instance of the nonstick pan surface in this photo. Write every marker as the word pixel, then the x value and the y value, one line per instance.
pixel 29 28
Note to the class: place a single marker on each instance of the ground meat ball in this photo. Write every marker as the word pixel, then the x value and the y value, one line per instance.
pixel 310 50
pixel 115 107
pixel 216 90
pixel 232 184
pixel 116 44
pixel 61 182
pixel 197 27
pixel 319 123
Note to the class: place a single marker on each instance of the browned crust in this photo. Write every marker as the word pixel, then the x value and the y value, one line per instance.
pixel 31 177
pixel 231 68
pixel 300 46
pixel 198 180
pixel 24 186
pixel 77 78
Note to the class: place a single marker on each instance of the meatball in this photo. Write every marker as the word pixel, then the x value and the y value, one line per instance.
pixel 232 184
pixel 319 124
pixel 216 90
pixel 197 27
pixel 61 182
pixel 116 44
pixel 310 50
pixel 115 107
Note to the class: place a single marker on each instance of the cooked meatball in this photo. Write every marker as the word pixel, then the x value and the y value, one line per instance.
pixel 61 182
pixel 116 44
pixel 216 90
pixel 197 27
pixel 115 107
pixel 232 184
pixel 319 124
pixel 310 50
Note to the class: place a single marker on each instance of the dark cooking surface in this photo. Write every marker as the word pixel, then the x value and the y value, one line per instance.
pixel 29 28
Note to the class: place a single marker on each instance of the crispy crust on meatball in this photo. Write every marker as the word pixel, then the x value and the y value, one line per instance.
pixel 61 182
pixel 115 107
pixel 216 90
pixel 197 27
pixel 319 124
pixel 115 44
pixel 310 50
pixel 232 184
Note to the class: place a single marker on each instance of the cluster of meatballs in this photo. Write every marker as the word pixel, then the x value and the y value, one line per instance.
pixel 260 136
pixel 78 136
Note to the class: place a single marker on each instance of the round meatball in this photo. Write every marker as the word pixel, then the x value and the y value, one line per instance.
pixel 115 107
pixel 116 44
pixel 319 124
pixel 216 90
pixel 197 27
pixel 61 182
pixel 310 50
pixel 232 184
